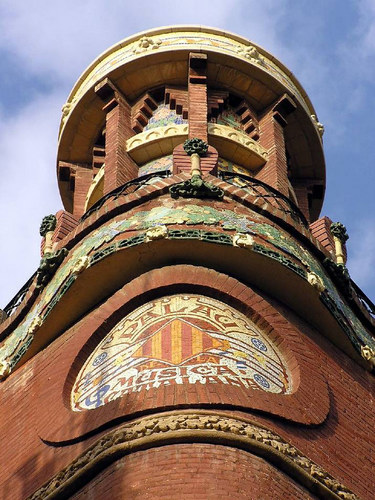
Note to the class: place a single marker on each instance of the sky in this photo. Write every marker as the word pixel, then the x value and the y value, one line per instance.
pixel 44 47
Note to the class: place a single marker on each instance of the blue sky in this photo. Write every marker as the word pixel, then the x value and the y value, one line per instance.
pixel 44 46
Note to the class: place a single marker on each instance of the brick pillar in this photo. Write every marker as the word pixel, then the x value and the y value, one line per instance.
pixel 82 181
pixel 119 167
pixel 197 100
pixel 272 123
pixel 302 195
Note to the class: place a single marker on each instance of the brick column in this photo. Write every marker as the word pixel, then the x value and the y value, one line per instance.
pixel 272 123
pixel 302 195
pixel 119 167
pixel 197 100
pixel 82 181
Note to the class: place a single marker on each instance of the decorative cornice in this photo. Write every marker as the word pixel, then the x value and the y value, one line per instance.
pixel 177 38
pixel 192 427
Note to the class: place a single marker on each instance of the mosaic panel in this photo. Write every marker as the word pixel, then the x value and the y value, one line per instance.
pixel 229 118
pixel 228 166
pixel 163 116
pixel 164 163
pixel 180 339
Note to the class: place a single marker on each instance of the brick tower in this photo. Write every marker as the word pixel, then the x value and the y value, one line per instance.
pixel 192 330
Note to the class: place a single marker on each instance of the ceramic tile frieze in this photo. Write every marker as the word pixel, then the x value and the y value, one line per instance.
pixel 274 243
pixel 180 339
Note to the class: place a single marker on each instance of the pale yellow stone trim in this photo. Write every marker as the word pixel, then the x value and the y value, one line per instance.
pixel 339 250
pixel 236 146
pixel 156 142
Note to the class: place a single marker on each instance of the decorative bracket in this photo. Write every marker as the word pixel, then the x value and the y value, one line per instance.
pixel 196 187
pixel 46 230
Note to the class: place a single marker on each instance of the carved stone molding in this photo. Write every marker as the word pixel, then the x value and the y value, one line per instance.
pixel 315 281
pixel 146 43
pixel 319 126
pixel 251 53
pixel 191 427
pixel 368 354
pixel 156 233
pixel 243 240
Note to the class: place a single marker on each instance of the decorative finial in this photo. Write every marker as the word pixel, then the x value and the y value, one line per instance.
pixel 339 230
pixel 48 224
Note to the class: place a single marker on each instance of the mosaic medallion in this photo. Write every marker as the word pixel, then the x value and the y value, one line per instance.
pixel 179 339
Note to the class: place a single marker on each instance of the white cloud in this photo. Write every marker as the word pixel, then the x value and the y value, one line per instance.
pixel 28 188
pixel 64 37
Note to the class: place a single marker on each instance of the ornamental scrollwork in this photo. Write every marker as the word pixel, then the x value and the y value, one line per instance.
pixel 243 240
pixel 195 145
pixel 196 187
pixel 368 354
pixel 146 43
pixel 48 266
pixel 251 53
pixel 316 281
pixel 156 233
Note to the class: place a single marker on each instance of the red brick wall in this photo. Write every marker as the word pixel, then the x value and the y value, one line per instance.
pixel 119 167
pixel 35 408
pixel 197 97
pixel 320 229
pixel 195 471
pixel 274 171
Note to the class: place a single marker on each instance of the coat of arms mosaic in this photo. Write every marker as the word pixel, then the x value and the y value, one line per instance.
pixel 180 339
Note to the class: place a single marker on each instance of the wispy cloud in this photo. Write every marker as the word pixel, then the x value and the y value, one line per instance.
pixel 28 188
